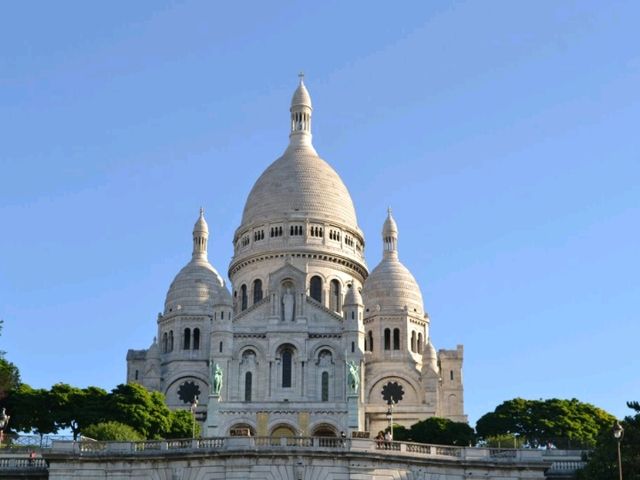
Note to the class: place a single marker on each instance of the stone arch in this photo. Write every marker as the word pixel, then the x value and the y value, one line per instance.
pixel 242 430
pixel 324 429
pixel 171 392
pixel 412 389
pixel 294 342
pixel 283 429
pixel 258 349
pixel 333 349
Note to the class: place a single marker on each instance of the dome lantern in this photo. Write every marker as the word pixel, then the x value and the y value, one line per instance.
pixel 390 236
pixel 200 237
pixel 301 114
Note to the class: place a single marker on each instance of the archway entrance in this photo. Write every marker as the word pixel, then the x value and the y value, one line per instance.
pixel 282 431
pixel 242 430
pixel 324 431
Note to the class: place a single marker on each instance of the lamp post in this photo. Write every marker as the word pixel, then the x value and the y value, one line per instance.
pixel 194 405
pixel 618 433
pixel 4 420
pixel 390 418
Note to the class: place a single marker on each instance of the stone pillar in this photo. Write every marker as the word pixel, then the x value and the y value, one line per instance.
pixel 213 416
pixel 354 419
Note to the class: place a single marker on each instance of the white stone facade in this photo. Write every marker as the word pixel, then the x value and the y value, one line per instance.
pixel 308 342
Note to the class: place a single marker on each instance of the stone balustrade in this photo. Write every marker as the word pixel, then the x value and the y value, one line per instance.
pixel 228 444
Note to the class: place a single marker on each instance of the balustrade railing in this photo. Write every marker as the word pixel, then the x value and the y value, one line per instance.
pixel 23 464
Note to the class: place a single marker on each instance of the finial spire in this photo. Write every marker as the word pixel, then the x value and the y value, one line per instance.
pixel 201 211
pixel 301 76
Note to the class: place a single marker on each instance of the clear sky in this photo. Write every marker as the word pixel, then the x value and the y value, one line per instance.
pixel 503 134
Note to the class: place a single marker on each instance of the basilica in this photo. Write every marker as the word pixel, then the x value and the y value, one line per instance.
pixel 305 340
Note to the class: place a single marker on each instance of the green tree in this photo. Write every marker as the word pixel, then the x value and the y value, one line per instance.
pixel 76 408
pixel 9 373
pixel 566 423
pixel 143 410
pixel 31 410
pixel 439 431
pixel 603 460
pixel 112 431
pixel 182 424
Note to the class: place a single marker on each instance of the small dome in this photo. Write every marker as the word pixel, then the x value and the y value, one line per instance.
pixel 391 285
pixel 353 296
pixel 301 96
pixel 198 286
pixel 196 289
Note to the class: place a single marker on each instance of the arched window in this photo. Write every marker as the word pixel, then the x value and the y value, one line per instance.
pixel 396 339
pixel 248 377
pixel 196 339
pixel 325 386
pixel 370 341
pixel 171 340
pixel 413 341
pixel 387 339
pixel 186 339
pixel 257 290
pixel 165 342
pixel 286 368
pixel 419 343
pixel 243 297
pixel 315 288
pixel 334 295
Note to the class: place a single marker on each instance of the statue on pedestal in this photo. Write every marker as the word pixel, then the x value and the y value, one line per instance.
pixel 215 378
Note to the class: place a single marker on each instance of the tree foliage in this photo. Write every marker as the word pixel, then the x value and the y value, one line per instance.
pixel 182 425
pixel 145 411
pixel 31 410
pixel 9 373
pixel 76 408
pixel 603 460
pixel 563 422
pixel 114 431
pixel 64 406
pixel 440 431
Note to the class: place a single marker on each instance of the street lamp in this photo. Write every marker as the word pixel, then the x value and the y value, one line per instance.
pixel 194 405
pixel 4 420
pixel 390 418
pixel 618 433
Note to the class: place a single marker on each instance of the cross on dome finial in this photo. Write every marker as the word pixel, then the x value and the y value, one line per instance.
pixel 389 210
pixel 301 76
pixel 201 211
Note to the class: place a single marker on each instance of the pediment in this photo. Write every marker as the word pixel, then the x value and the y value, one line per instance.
pixel 287 273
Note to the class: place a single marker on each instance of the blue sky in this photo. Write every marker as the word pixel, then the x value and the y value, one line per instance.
pixel 503 134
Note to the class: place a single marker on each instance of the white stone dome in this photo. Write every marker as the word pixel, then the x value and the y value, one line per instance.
pixel 198 286
pixel 299 185
pixel 196 289
pixel 390 285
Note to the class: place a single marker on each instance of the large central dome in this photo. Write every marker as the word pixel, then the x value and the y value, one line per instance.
pixel 300 184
